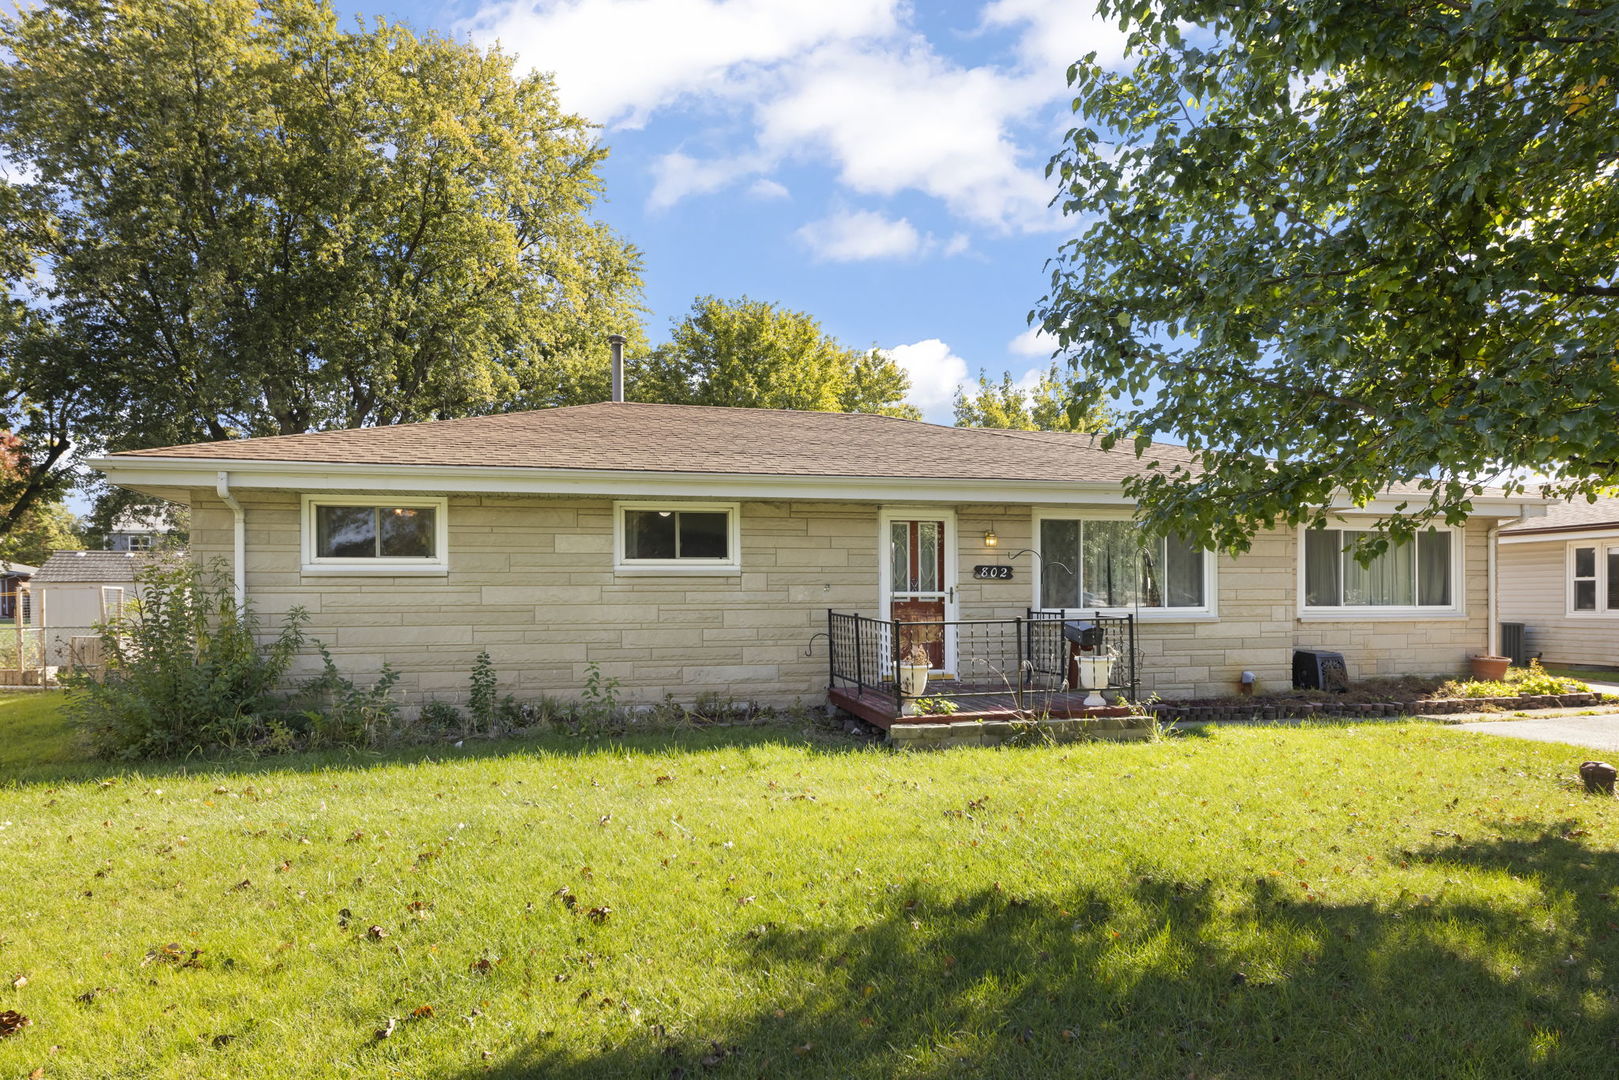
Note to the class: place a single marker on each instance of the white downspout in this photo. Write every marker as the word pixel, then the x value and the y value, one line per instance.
pixel 239 538
pixel 1495 626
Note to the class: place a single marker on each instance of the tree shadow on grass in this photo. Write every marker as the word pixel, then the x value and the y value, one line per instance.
pixel 61 768
pixel 1166 977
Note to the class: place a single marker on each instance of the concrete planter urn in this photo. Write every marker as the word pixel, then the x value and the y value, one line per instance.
pixel 1094 671
pixel 913 676
pixel 1490 668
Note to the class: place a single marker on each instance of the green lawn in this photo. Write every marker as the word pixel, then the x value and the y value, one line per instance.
pixel 1384 901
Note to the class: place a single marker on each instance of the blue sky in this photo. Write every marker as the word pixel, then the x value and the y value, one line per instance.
pixel 877 164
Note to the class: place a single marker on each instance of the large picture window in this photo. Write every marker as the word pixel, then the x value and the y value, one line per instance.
pixel 1593 577
pixel 1110 564
pixel 1416 575
pixel 383 535
pixel 676 537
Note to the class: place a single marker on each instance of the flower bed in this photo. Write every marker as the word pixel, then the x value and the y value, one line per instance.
pixel 1261 709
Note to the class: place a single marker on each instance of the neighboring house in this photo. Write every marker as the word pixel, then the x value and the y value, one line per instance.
pixel 690 550
pixel 14 591
pixel 138 532
pixel 1559 576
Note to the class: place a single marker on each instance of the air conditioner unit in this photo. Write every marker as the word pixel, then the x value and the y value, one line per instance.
pixel 1515 643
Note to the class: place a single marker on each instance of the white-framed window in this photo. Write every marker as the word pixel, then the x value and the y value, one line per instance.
pixel 349 534
pixel 1088 563
pixel 677 537
pixel 139 542
pixel 112 603
pixel 1418 577
pixel 1593 577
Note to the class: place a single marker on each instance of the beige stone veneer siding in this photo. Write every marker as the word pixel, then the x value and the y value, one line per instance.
pixel 531 579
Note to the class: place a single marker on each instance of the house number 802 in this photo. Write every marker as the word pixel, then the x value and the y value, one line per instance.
pixel 992 573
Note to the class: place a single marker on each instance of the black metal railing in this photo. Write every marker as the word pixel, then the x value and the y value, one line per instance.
pixel 985 658
pixel 1118 640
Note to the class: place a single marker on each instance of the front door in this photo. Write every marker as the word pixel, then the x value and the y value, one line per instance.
pixel 919 584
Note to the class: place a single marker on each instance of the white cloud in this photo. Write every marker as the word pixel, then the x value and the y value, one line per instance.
pixel 677 175
pixel 892 118
pixel 1055 33
pixel 765 188
pixel 618 60
pixel 935 374
pixel 852 236
pixel 846 82
pixel 1033 342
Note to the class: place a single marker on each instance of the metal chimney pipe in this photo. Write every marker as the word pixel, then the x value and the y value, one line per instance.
pixel 617 342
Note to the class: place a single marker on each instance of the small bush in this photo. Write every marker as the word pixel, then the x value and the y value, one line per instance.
pixel 184 670
pixel 346 714
pixel 481 702
pixel 1532 680
pixel 441 718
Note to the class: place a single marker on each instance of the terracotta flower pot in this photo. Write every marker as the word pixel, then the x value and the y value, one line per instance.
pixel 1490 668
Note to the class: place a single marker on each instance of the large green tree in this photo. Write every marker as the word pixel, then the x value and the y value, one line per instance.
pixel 751 354
pixel 1049 404
pixel 1340 245
pixel 256 221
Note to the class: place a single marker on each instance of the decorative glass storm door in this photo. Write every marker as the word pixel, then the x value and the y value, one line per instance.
pixel 921 586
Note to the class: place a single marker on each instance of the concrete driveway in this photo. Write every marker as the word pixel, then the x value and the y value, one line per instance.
pixel 1600 732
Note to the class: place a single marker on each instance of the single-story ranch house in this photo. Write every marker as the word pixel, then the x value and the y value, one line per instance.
pixel 694 550
pixel 1559 577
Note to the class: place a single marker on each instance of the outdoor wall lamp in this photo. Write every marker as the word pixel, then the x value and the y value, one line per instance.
pixel 990 539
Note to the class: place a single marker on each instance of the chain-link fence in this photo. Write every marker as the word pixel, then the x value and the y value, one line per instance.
pixel 39 655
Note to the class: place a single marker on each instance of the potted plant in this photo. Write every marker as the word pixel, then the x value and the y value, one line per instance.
pixel 1490 668
pixel 913 673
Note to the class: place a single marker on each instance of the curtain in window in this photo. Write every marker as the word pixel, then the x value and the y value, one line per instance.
pixel 1323 568
pixel 1109 564
pixel 1183 574
pixel 1059 564
pixel 1433 569
pixel 1390 580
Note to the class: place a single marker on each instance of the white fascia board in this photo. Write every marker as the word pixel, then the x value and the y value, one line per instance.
pixel 473 480
pixel 1561 536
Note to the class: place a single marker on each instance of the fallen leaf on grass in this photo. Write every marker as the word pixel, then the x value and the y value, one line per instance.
pixel 11 1022
pixel 219 1042
pixel 245 883
pixel 387 1029
pixel 19 982
pixel 37 1074
pixel 482 966
pixel 716 1054
pixel 375 933
pixel 173 953
pixel 422 1012
pixel 600 914
pixel 90 995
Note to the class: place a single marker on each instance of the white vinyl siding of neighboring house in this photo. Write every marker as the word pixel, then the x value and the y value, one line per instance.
pixel 1536 587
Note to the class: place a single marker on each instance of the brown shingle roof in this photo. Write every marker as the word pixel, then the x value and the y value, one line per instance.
pixel 634 436
pixel 1571 515
pixel 80 567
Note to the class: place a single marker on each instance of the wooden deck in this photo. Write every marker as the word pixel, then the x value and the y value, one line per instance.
pixel 880 709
